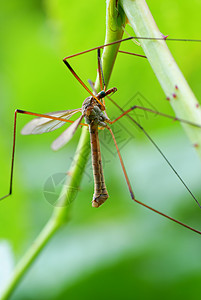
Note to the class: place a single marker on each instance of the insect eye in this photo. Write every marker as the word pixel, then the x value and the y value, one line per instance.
pixel 102 94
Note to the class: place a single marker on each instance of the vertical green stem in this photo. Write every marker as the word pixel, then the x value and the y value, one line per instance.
pixel 115 21
pixel 165 68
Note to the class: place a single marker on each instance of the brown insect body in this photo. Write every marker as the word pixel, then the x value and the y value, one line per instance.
pixel 95 117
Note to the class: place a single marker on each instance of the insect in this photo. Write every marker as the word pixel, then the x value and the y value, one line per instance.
pixel 93 111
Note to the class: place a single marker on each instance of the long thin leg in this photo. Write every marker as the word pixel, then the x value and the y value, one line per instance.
pixel 45 116
pixel 82 83
pixel 151 111
pixel 167 116
pixel 139 202
pixel 14 140
pixel 101 77
pixel 102 46
pixel 151 140
pixel 130 38
pixel 131 53
pixel 122 164
pixel 100 73
pixel 102 80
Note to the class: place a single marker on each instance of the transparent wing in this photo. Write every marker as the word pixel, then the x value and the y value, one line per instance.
pixel 41 125
pixel 66 135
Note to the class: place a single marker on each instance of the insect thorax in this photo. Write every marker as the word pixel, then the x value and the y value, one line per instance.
pixel 92 113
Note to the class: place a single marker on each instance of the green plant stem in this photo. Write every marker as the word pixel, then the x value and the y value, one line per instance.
pixel 61 213
pixel 165 68
pixel 114 31
pixel 29 257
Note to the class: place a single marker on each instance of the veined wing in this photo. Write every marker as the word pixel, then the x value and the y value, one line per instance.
pixel 66 135
pixel 41 125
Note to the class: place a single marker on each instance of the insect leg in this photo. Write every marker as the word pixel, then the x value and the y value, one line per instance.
pixel 139 202
pixel 18 111
pixel 151 140
pixel 81 82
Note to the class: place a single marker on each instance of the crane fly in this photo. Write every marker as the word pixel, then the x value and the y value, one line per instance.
pixel 93 111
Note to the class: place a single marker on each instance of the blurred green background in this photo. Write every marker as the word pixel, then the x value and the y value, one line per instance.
pixel 121 250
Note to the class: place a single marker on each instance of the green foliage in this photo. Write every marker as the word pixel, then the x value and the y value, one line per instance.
pixel 119 250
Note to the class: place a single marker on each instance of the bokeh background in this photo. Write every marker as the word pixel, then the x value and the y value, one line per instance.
pixel 121 250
